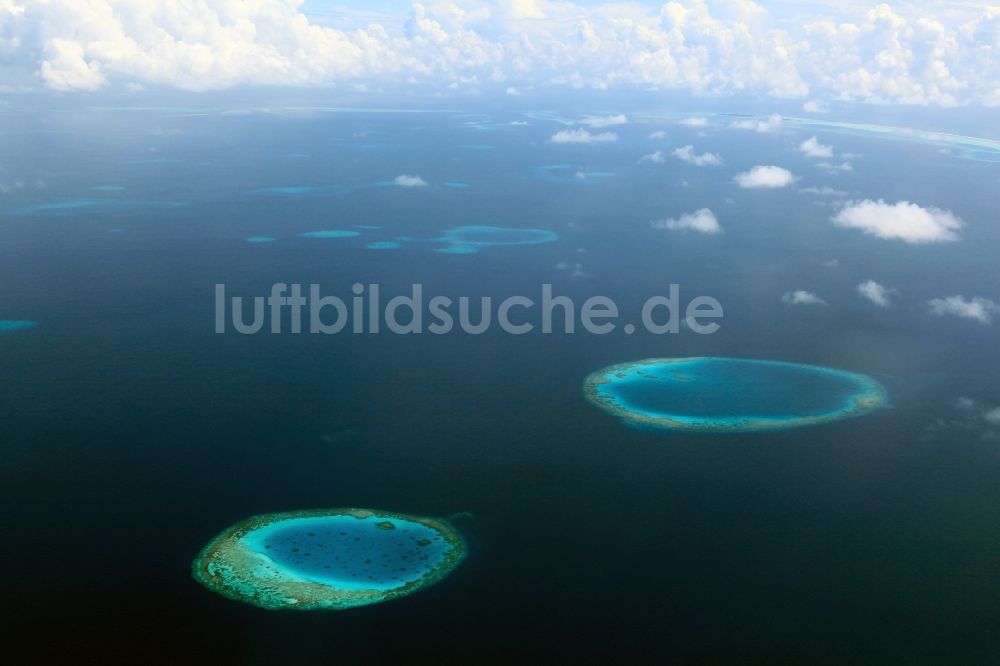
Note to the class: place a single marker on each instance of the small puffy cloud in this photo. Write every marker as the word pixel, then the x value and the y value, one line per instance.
pixel 802 297
pixel 513 92
pixel 901 221
pixel 814 106
pixel 978 309
pixel 525 9
pixel 688 155
pixel 825 191
pixel 769 124
pixel 656 157
pixel 702 221
pixel 20 185
pixel 965 404
pixel 813 148
pixel 695 122
pixel 410 181
pixel 575 270
pixel 604 121
pixel 835 168
pixel 582 136
pixel 658 134
pixel 993 416
pixel 765 176
pixel 969 416
pixel 876 293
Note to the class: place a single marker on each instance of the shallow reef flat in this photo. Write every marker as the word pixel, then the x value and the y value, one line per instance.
pixel 470 239
pixel 331 233
pixel 11 325
pixel 70 205
pixel 721 395
pixel 328 559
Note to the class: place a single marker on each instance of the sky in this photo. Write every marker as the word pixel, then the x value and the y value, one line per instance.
pixel 932 54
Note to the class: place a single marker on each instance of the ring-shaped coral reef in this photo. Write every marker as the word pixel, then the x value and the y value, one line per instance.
pixel 731 395
pixel 327 559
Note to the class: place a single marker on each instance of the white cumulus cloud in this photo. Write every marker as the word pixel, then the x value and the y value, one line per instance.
pixel 604 121
pixel 695 121
pixel 900 221
pixel 702 221
pixel 765 176
pixel 876 293
pixel 825 191
pixel 920 53
pixel 656 157
pixel 835 168
pixel 764 126
pixel 688 154
pixel 992 416
pixel 978 309
pixel 813 148
pixel 582 136
pixel 802 297
pixel 410 181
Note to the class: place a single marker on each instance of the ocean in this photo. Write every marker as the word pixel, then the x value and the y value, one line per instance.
pixel 133 432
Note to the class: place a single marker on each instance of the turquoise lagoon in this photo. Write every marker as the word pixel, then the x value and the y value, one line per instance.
pixel 328 559
pixel 731 395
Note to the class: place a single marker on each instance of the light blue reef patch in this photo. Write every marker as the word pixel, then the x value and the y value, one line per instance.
pixel 328 559
pixel 549 116
pixel 330 233
pixel 158 160
pixel 287 190
pixel 383 245
pixel 471 239
pixel 457 186
pixel 11 325
pixel 731 395
pixel 69 204
pixel 584 175
pixel 566 173
pixel 260 239
pixel 458 249
pixel 108 188
pixel 967 147
pixel 80 204
pixel 487 236
pixel 366 227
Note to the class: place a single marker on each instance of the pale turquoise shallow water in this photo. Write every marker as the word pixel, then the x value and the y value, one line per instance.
pixel 731 393
pixel 11 325
pixel 351 553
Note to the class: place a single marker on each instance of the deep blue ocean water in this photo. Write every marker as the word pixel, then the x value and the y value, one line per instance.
pixel 132 433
